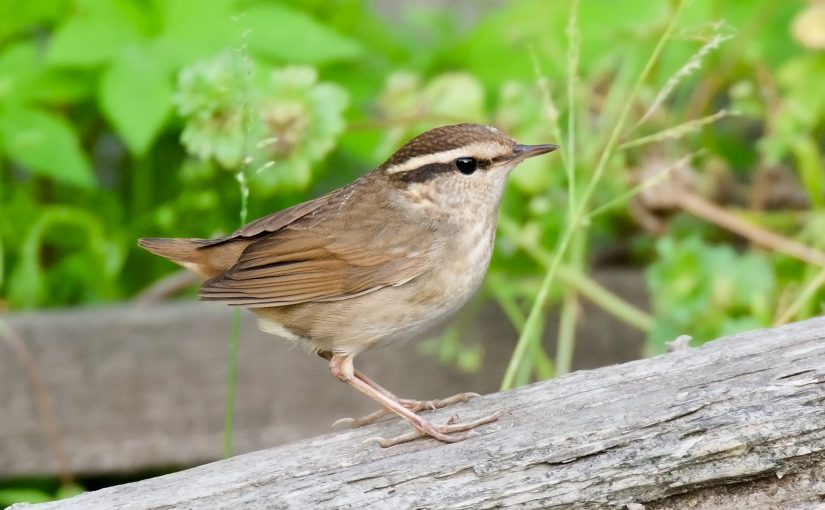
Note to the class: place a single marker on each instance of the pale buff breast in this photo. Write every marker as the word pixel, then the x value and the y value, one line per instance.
pixel 390 314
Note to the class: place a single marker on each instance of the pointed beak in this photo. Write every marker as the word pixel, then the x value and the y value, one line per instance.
pixel 522 152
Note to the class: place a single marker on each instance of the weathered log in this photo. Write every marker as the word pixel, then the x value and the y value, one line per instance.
pixel 137 388
pixel 738 423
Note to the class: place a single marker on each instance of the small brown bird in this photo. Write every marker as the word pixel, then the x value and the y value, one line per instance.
pixel 372 263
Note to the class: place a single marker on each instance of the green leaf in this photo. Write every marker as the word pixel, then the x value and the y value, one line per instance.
pixel 186 37
pixel 96 32
pixel 23 494
pixel 22 17
pixel 62 86
pixel 806 103
pixel 292 36
pixel 45 144
pixel 2 258
pixel 24 76
pixel 811 168
pixel 88 272
pixel 708 290
pixel 19 69
pixel 136 97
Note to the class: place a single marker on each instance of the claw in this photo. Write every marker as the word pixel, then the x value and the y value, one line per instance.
pixel 374 439
pixel 413 405
pixel 364 420
pixel 340 366
pixel 341 421
pixel 451 427
pixel 450 432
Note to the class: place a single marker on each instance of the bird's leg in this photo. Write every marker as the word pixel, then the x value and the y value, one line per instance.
pixel 372 417
pixel 418 405
pixel 360 375
pixel 413 405
pixel 340 365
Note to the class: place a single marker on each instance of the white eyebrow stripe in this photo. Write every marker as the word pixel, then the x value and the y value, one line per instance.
pixel 484 149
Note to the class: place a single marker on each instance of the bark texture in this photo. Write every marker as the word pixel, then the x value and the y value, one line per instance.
pixel 739 423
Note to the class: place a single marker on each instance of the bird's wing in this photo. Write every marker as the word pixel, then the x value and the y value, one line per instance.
pixel 304 262
pixel 275 221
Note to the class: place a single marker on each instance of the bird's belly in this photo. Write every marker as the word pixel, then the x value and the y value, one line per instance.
pixel 389 314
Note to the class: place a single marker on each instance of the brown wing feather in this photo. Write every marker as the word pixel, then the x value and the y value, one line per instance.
pixel 277 220
pixel 319 259
pixel 267 276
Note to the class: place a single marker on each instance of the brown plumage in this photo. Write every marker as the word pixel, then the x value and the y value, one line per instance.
pixel 188 253
pixel 373 262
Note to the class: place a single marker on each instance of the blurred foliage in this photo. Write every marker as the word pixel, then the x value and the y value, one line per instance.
pixel 709 290
pixel 129 118
pixel 35 491
pixel 119 117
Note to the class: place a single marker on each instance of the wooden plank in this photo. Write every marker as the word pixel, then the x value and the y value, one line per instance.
pixel 136 388
pixel 739 423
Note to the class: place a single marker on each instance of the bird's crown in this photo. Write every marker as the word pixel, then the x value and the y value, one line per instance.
pixel 447 145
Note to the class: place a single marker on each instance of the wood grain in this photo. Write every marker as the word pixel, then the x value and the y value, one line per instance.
pixel 739 423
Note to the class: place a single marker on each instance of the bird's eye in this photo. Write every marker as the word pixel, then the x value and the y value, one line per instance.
pixel 466 165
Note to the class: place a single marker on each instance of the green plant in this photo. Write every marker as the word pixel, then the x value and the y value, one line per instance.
pixel 35 492
pixel 97 96
pixel 79 131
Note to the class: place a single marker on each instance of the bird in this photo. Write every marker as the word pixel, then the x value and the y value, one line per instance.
pixel 373 263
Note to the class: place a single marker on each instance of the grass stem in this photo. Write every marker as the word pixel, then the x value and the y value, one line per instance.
pixel 801 300
pixel 566 339
pixel 583 284
pixel 231 378
pixel 243 184
pixel 535 320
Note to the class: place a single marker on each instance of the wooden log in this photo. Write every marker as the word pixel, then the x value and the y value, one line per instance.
pixel 137 388
pixel 739 423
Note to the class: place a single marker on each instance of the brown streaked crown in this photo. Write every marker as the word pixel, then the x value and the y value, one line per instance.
pixel 449 138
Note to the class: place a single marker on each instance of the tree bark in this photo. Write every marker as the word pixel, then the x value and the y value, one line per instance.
pixel 738 423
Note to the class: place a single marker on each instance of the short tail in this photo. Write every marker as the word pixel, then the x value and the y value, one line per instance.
pixel 174 249
pixel 205 261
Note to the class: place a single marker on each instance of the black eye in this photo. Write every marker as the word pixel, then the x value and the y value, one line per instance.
pixel 466 165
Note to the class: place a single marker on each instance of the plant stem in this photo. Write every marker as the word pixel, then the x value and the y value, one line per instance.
pixel 583 284
pixel 234 339
pixel 569 312
pixel 712 213
pixel 573 38
pixel 231 378
pixel 534 319
pixel 243 184
pixel 511 310
pixel 566 337
pixel 801 300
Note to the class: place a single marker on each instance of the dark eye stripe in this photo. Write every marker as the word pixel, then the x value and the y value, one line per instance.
pixel 427 172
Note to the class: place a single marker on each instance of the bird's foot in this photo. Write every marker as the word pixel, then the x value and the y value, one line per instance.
pixel 448 433
pixel 413 405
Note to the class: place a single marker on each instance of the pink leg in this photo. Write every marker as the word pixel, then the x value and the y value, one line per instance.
pixel 413 405
pixel 340 365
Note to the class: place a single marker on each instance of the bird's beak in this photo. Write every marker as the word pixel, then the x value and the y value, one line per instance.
pixel 522 152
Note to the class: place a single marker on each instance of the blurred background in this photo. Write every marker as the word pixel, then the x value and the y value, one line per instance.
pixel 688 199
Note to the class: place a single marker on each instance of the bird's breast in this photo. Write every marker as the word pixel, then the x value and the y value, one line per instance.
pixel 460 267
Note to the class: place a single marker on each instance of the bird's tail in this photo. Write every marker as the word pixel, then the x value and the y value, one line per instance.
pixel 205 261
